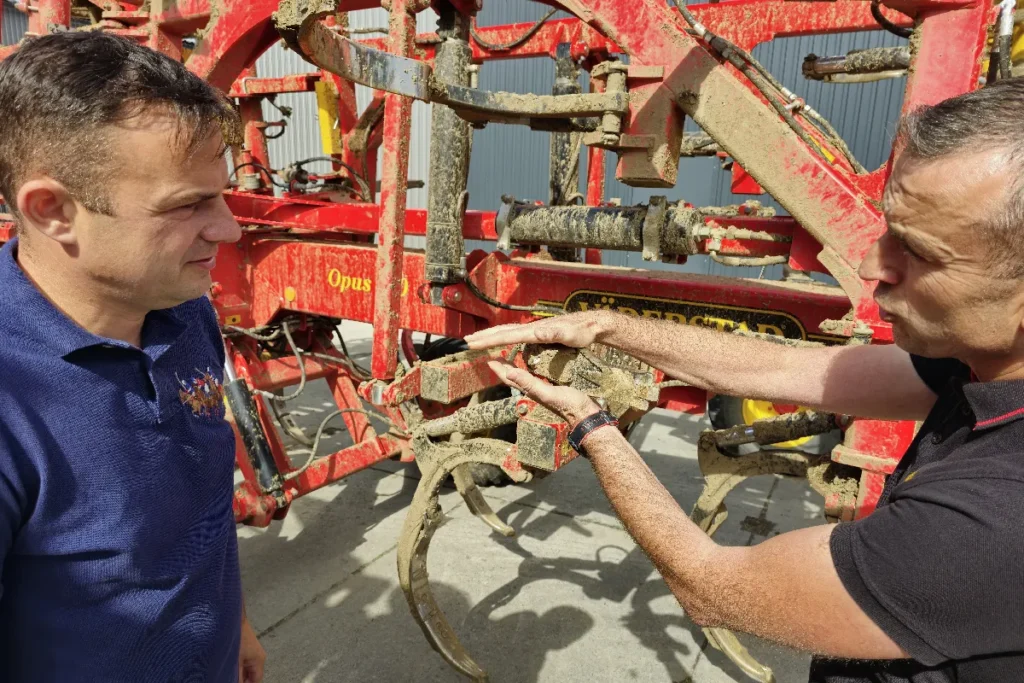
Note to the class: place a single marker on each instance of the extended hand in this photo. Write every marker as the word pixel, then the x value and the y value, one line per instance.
pixel 251 656
pixel 578 330
pixel 570 404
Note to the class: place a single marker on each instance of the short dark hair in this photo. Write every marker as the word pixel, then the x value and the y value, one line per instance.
pixel 989 119
pixel 60 94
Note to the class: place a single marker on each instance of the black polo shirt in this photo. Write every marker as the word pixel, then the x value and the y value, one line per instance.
pixel 939 566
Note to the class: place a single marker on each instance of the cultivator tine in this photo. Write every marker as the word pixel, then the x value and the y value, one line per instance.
pixel 722 474
pixel 725 641
pixel 436 461
pixel 467 488
pixel 476 502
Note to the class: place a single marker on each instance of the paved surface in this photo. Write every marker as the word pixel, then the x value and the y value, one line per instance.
pixel 570 599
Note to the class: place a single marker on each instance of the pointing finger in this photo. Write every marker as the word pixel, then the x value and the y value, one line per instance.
pixel 502 335
pixel 531 386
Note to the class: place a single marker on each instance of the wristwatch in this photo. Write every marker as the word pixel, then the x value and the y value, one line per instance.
pixel 587 425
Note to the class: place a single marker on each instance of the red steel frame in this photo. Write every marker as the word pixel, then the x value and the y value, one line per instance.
pixel 308 256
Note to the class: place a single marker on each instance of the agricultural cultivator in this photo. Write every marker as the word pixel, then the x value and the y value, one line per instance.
pixel 317 249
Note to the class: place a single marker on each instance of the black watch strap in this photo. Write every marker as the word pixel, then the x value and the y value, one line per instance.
pixel 587 425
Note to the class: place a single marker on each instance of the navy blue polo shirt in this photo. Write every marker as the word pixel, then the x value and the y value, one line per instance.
pixel 117 540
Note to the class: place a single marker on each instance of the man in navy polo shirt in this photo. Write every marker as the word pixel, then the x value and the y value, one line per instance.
pixel 117 541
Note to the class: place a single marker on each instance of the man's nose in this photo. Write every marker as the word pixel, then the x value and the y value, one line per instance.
pixel 876 265
pixel 222 226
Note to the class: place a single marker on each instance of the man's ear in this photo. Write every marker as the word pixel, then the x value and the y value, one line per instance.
pixel 47 206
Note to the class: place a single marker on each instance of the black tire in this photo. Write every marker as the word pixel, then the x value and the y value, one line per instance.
pixel 727 411
pixel 483 474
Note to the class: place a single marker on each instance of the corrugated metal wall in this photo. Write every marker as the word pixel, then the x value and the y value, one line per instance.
pixel 514 160
pixel 302 139
pixel 14 24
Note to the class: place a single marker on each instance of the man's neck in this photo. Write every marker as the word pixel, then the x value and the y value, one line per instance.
pixel 998 369
pixel 92 310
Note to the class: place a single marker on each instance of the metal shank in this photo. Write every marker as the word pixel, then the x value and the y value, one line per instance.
pixel 450 141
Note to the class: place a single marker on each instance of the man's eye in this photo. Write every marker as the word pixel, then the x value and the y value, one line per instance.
pixel 188 208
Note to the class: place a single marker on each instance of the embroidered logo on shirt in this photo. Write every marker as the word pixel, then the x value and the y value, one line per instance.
pixel 204 394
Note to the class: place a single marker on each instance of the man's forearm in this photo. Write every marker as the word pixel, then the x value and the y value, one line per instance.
pixel 677 547
pixel 785 589
pixel 705 358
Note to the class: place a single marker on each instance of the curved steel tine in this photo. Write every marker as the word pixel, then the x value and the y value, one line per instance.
pixel 726 641
pixel 476 502
pixel 722 474
pixel 437 461
pixel 467 488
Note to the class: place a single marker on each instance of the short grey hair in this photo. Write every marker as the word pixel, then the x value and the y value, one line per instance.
pixel 987 119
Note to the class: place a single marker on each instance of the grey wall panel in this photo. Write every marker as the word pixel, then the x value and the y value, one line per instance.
pixel 864 114
pixel 15 24
pixel 301 139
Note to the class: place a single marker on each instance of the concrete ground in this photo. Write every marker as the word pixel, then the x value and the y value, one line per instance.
pixel 570 599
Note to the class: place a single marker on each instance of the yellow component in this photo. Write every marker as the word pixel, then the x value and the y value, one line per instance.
pixel 327 107
pixel 829 156
pixel 290 294
pixel 1017 46
pixel 763 410
pixel 232 320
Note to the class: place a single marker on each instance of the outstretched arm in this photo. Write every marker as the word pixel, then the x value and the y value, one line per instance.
pixel 785 589
pixel 866 381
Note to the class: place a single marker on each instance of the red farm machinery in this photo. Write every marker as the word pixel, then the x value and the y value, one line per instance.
pixel 317 250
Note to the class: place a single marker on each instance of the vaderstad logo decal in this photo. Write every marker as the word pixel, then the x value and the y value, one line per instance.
pixel 724 318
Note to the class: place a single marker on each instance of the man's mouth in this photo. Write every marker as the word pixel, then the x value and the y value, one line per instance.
pixel 206 263
pixel 884 313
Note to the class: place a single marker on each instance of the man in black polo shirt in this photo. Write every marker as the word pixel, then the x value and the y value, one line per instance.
pixel 928 588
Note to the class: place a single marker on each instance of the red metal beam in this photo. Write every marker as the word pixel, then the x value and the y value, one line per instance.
pixel 394 172
pixel 48 16
pixel 745 22
pixel 255 87
pixel 238 34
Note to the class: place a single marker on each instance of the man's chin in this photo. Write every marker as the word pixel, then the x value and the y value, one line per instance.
pixel 187 292
pixel 903 340
pixel 912 344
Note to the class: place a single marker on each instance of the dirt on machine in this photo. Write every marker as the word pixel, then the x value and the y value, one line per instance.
pixel 322 247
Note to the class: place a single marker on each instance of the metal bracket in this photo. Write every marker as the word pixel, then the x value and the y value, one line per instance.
pixel 298 21
pixel 654 226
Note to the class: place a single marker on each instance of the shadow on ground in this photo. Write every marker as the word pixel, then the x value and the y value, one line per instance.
pixel 321 586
